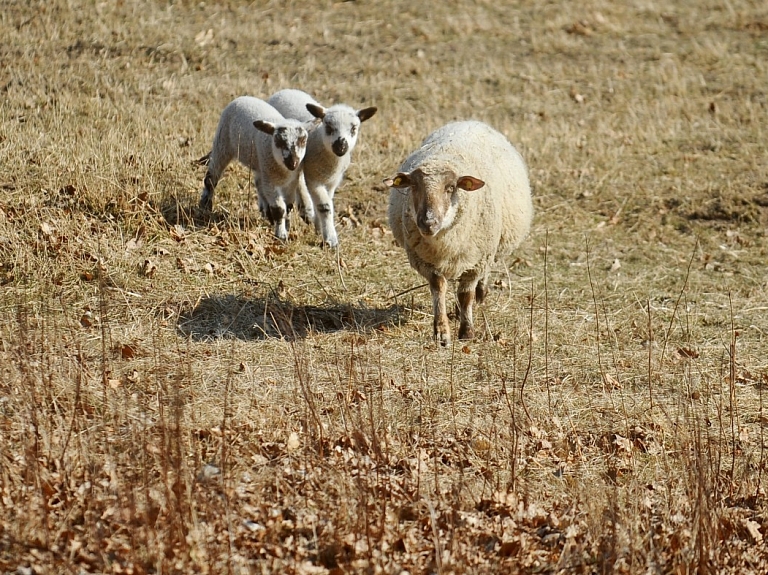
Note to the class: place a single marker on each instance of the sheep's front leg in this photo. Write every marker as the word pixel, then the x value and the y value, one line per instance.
pixel 441 327
pixel 470 289
pixel 277 213
pixel 323 203
pixel 304 201
pixel 466 327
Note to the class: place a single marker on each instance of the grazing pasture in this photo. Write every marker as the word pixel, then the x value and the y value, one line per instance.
pixel 181 392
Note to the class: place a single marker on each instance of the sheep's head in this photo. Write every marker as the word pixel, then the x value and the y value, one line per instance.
pixel 434 196
pixel 341 125
pixel 289 140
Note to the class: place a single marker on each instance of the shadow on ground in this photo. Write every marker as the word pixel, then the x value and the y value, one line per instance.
pixel 233 316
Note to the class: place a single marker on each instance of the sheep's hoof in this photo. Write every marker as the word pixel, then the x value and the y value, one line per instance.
pixel 206 202
pixel 331 242
pixel 308 216
pixel 466 332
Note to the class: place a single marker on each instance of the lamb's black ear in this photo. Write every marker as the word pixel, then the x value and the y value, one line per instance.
pixel 316 110
pixel 266 127
pixel 366 113
pixel 401 180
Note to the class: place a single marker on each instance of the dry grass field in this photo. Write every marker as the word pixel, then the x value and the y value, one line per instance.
pixel 182 393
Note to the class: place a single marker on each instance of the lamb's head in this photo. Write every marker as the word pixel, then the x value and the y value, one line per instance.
pixel 434 196
pixel 289 140
pixel 341 125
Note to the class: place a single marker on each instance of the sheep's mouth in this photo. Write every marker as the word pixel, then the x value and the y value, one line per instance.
pixel 428 231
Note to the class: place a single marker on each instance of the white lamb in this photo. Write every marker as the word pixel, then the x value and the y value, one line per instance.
pixel 460 202
pixel 328 154
pixel 257 135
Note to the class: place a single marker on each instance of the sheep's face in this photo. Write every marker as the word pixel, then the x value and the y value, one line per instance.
pixel 341 125
pixel 434 197
pixel 289 140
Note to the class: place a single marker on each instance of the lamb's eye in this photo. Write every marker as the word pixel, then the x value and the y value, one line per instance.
pixel 328 129
pixel 450 188
pixel 302 141
pixel 353 130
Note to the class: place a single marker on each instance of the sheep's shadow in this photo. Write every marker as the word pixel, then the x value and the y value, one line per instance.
pixel 233 316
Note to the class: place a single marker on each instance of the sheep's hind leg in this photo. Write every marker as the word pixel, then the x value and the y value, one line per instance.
pixel 441 327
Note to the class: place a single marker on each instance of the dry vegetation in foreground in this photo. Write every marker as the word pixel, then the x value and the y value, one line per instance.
pixel 182 394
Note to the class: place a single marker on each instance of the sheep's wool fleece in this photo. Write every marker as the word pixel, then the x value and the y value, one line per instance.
pixel 489 222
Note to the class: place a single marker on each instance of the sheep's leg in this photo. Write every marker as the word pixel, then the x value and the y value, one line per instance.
pixel 441 327
pixel 481 290
pixel 218 160
pixel 323 202
pixel 304 201
pixel 276 214
pixel 466 327
pixel 469 290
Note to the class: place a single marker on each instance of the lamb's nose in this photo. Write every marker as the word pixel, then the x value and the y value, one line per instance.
pixel 292 162
pixel 340 147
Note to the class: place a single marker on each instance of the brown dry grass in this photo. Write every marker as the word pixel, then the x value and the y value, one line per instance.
pixel 185 395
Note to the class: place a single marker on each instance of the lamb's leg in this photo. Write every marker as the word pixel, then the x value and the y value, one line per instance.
pixel 441 327
pixel 276 214
pixel 218 160
pixel 304 201
pixel 323 202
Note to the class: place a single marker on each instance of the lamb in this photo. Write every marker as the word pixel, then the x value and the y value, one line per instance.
pixel 459 203
pixel 328 154
pixel 270 145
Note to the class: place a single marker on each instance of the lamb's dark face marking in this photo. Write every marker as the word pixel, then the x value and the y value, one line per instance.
pixel 289 141
pixel 434 197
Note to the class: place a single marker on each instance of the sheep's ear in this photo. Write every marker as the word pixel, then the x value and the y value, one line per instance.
pixel 266 127
pixel 316 110
pixel 469 183
pixel 312 124
pixel 401 180
pixel 366 113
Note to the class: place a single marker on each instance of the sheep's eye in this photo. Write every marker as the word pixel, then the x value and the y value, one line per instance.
pixel 450 188
pixel 302 141
pixel 328 129
pixel 353 130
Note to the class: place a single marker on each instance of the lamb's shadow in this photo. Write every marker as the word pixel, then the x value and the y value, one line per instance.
pixel 233 316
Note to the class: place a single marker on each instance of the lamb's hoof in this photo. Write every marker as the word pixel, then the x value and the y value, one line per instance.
pixel 205 203
pixel 331 241
pixel 307 216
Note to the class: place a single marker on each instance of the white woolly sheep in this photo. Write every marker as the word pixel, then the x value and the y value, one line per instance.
pixel 459 203
pixel 258 136
pixel 328 154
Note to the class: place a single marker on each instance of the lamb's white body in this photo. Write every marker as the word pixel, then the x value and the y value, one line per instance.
pixel 449 233
pixel 328 155
pixel 258 136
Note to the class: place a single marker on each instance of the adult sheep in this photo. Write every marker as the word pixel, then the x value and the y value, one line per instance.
pixel 328 156
pixel 258 136
pixel 459 203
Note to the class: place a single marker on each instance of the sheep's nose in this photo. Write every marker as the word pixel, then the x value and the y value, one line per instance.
pixel 340 147
pixel 291 162
pixel 428 223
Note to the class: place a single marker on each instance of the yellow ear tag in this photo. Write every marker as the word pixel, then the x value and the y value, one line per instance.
pixel 397 181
